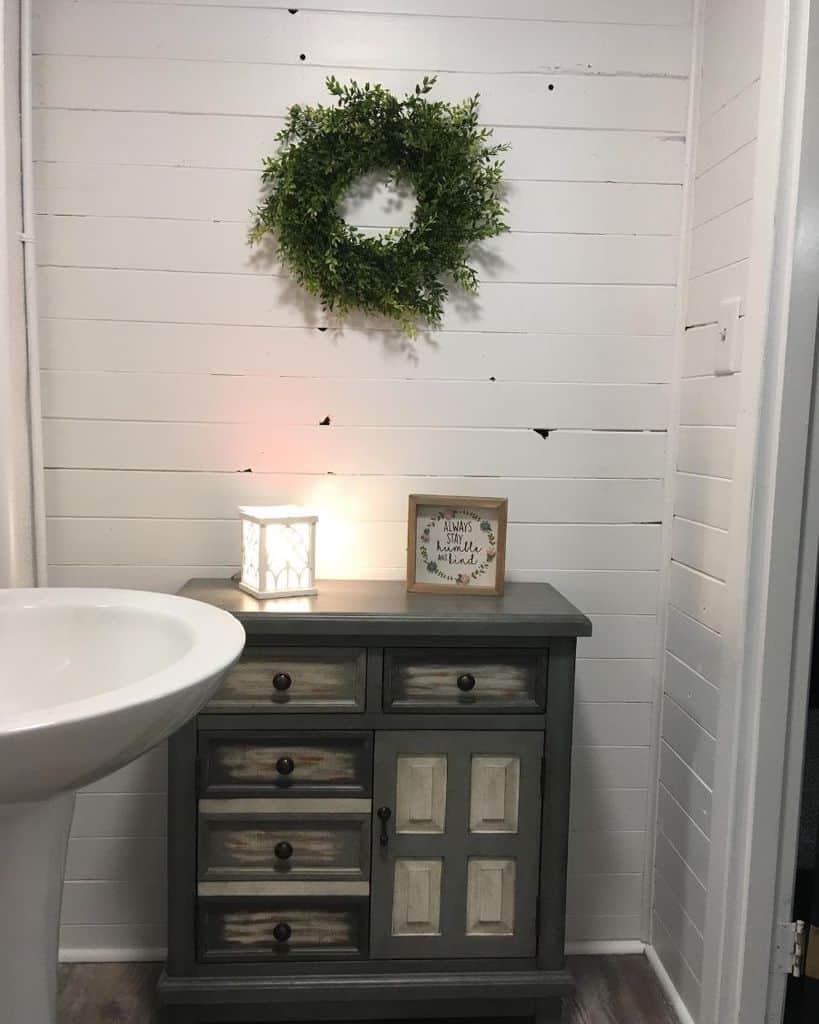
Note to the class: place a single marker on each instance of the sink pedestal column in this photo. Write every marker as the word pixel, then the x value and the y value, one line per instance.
pixel 33 845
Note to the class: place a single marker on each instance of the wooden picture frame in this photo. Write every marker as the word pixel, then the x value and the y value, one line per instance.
pixel 435 525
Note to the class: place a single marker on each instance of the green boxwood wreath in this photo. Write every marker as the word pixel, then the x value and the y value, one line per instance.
pixel 437 148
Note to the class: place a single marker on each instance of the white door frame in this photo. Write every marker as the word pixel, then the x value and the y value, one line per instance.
pixel 763 703
pixel 803 332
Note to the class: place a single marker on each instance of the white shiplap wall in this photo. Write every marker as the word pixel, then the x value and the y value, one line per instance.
pixel 173 361
pixel 722 191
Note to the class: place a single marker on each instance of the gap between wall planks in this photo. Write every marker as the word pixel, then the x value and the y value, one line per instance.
pixel 166 348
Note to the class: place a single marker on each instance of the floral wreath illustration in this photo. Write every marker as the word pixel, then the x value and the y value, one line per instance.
pixel 462 579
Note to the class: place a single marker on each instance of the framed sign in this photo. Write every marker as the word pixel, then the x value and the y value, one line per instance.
pixel 456 544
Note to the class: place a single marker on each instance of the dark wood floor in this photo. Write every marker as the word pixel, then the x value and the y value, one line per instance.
pixel 610 990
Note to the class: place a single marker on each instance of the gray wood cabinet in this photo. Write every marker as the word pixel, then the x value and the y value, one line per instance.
pixel 369 820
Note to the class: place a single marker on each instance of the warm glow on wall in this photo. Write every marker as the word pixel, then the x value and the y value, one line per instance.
pixel 278 550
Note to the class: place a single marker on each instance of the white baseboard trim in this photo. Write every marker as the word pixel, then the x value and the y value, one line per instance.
pixel 605 947
pixel 111 956
pixel 668 988
pixel 72 955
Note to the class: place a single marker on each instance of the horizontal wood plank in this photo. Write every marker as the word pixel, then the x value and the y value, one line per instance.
pixel 284 402
pixel 709 401
pixel 700 547
pixel 688 789
pixel 674 916
pixel 692 642
pixel 706 292
pixel 684 834
pixel 615 679
pixel 116 858
pixel 693 745
pixel 252 300
pixel 329 38
pixel 725 185
pixel 698 595
pixel 527 256
pixel 102 902
pixel 703 499
pixel 230 448
pixel 129 541
pixel 236 145
pixel 266 90
pixel 596 811
pixel 629 12
pixel 146 494
pixel 728 129
pixel 119 814
pixel 617 725
pixel 692 692
pixel 619 853
pixel 606 895
pixel 622 767
pixel 724 240
pixel 349 354
pixel 681 881
pixel 706 451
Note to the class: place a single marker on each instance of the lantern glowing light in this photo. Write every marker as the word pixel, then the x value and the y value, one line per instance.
pixel 278 550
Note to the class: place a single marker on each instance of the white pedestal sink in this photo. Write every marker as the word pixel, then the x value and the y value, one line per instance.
pixel 89 680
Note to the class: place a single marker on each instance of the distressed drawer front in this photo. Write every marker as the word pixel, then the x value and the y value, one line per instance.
pixel 250 839
pixel 308 679
pixel 489 680
pixel 297 764
pixel 245 929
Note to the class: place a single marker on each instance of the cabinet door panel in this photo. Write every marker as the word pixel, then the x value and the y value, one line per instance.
pixel 494 793
pixel 416 906
pixel 420 799
pixel 490 896
pixel 467 887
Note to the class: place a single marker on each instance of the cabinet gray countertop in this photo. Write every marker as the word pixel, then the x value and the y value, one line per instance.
pixel 384 608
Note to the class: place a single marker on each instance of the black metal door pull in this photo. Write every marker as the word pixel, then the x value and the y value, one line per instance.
pixel 384 813
pixel 283 850
pixel 282 681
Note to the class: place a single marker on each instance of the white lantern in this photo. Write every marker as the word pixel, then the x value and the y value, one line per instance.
pixel 278 550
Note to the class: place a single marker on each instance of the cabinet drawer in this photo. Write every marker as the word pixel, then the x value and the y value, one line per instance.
pixel 285 764
pixel 282 928
pixel 284 839
pixel 472 680
pixel 300 679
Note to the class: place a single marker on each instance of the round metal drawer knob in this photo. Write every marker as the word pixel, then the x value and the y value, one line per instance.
pixel 285 766
pixel 283 850
pixel 466 682
pixel 282 681
pixel 282 932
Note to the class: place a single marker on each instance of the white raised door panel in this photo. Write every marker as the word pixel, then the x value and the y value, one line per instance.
pixel 421 794
pixel 494 793
pixel 490 896
pixel 416 906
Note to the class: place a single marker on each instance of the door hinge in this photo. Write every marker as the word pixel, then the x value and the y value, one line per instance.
pixel 792 948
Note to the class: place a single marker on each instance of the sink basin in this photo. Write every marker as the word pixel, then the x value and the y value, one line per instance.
pixel 89 680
